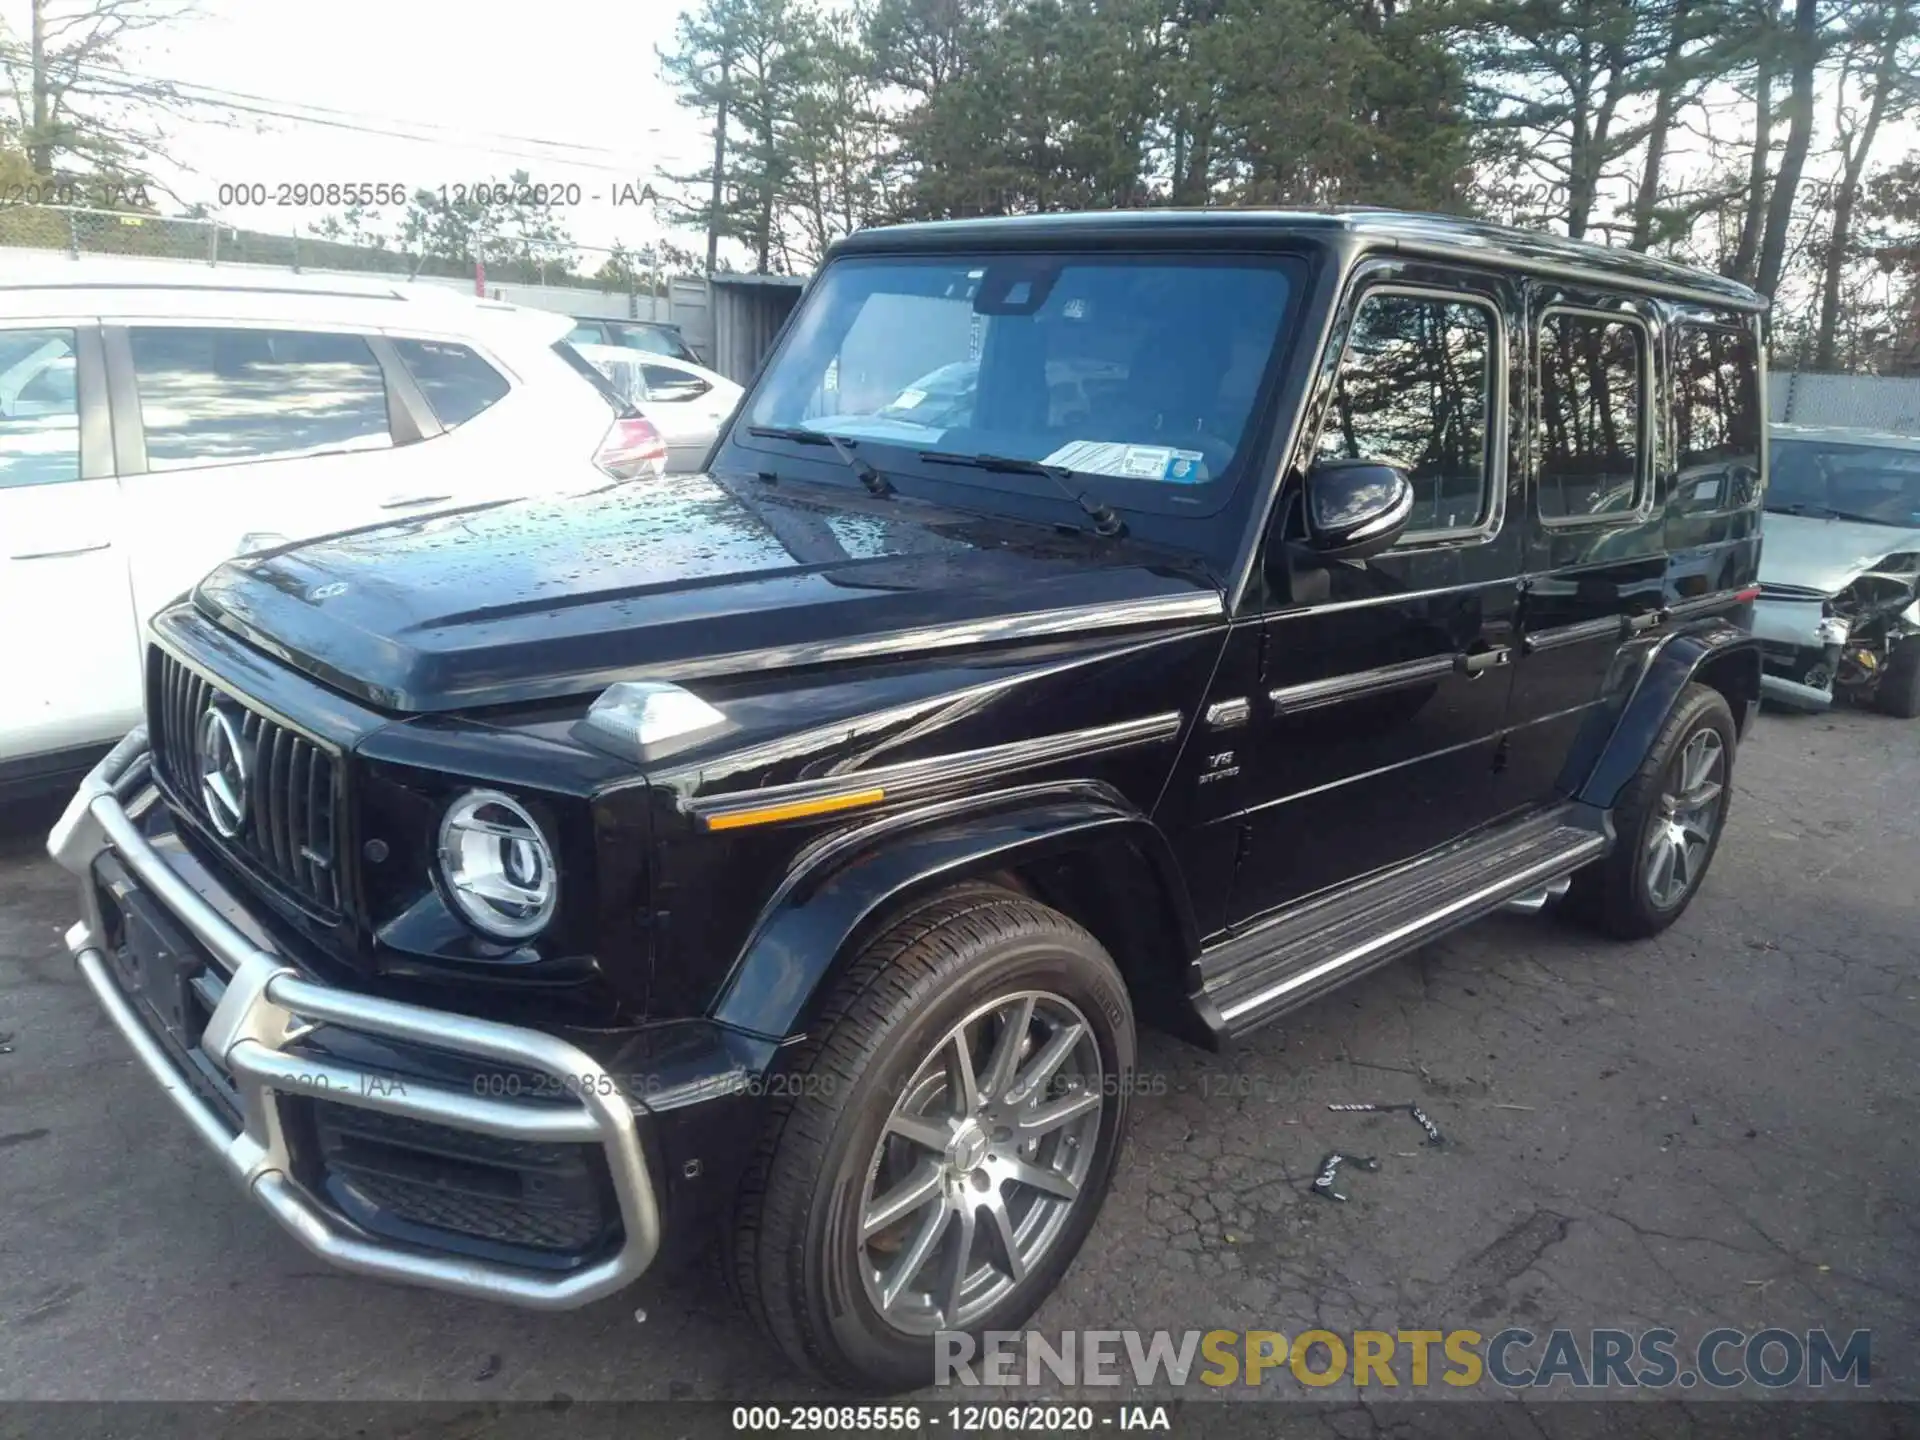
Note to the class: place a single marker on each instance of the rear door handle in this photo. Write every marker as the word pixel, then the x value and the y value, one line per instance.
pixel 401 502
pixel 1481 661
pixel 62 554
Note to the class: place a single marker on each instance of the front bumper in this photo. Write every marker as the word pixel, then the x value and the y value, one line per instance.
pixel 1798 663
pixel 266 1007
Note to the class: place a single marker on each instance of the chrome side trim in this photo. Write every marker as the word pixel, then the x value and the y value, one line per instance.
pixel 1800 593
pixel 998 629
pixel 1404 597
pixel 1518 882
pixel 1229 714
pixel 265 1006
pixel 1681 609
pixel 1291 699
pixel 1556 636
pixel 913 776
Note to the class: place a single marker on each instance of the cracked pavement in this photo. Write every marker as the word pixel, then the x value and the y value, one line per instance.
pixel 1711 1128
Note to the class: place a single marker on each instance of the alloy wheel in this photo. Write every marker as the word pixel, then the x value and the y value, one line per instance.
pixel 982 1159
pixel 1689 813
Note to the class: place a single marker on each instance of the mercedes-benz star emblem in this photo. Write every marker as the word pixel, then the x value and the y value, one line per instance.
pixel 223 771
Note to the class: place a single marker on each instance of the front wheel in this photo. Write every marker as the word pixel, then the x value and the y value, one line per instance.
pixel 946 1144
pixel 1899 689
pixel 1668 823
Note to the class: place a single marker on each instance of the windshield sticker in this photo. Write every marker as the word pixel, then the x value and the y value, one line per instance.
pixel 907 399
pixel 1130 462
pixel 1185 468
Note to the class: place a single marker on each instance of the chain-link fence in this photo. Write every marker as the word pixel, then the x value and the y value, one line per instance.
pixel 77 231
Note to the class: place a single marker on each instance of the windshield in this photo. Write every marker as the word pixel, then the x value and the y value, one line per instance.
pixel 1876 483
pixel 1138 374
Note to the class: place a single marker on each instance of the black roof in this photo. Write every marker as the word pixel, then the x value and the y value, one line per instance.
pixel 1445 237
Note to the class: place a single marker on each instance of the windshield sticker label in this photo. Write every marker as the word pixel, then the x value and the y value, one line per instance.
pixel 1130 462
pixel 907 399
pixel 1185 468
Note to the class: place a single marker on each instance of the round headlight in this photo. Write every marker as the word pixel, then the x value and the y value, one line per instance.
pixel 498 866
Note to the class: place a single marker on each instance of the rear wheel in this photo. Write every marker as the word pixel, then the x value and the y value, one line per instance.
pixel 946 1144
pixel 1899 689
pixel 1668 824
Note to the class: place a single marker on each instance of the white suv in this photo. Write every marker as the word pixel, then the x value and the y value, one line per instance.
pixel 158 418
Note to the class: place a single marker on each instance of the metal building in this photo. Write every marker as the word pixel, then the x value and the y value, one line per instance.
pixel 732 319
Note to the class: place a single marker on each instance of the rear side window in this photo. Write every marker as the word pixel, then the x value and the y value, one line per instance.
pixel 211 396
pixel 651 340
pixel 586 334
pixel 1717 418
pixel 583 367
pixel 39 413
pixel 1591 441
pixel 1415 389
pixel 666 383
pixel 458 384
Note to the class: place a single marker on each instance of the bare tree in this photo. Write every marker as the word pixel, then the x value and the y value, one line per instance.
pixel 1879 54
pixel 1804 47
pixel 77 110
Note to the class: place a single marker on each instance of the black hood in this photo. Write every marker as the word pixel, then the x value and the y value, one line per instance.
pixel 668 579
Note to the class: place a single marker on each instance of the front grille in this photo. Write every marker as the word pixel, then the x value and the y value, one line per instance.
pixel 288 825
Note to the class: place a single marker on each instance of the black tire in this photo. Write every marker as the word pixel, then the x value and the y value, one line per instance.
pixel 1613 895
pixel 1899 689
pixel 793 1253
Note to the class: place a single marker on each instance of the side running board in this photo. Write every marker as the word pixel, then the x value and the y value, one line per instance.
pixel 1305 951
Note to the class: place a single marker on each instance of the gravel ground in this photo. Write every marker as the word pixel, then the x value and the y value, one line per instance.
pixel 1713 1128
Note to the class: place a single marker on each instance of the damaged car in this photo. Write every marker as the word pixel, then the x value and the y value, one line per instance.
pixel 1839 609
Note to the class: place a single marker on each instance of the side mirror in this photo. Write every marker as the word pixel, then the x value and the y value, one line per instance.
pixel 1355 508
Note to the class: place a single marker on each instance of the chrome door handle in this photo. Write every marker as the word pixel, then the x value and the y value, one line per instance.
pixel 1631 625
pixel 401 502
pixel 62 554
pixel 1482 661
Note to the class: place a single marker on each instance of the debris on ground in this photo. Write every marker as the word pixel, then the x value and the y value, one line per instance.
pixel 1329 1173
pixel 1373 1107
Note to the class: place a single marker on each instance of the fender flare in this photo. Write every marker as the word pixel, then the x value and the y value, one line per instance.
pixel 843 886
pixel 1717 652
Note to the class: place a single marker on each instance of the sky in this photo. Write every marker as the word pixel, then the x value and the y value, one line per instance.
pixel 582 73
pixel 568 90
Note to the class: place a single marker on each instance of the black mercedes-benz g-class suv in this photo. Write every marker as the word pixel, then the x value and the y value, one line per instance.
pixel 512 894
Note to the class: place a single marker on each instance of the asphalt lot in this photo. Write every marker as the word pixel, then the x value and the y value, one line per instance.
pixel 1714 1128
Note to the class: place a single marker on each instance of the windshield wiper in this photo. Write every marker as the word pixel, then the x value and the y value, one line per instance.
pixel 1826 512
pixel 870 477
pixel 1105 522
pixel 1859 519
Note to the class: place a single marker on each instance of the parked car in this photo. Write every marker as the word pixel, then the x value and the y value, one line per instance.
pixel 687 403
pixel 944 398
pixel 790 850
pixel 651 337
pixel 157 419
pixel 1839 610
